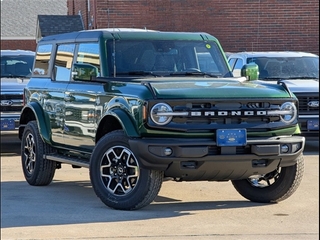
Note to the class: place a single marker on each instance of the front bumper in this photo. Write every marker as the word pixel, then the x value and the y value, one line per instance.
pixel 202 159
pixel 309 126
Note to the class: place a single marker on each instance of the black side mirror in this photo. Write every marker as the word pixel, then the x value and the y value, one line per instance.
pixel 84 71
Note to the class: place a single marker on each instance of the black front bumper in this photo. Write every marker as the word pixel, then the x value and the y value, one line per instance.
pixel 202 159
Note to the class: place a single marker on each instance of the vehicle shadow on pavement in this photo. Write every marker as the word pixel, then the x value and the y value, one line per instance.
pixel 75 202
pixel 10 146
pixel 311 147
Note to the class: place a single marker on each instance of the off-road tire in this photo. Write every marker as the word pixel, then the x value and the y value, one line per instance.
pixel 116 176
pixel 286 183
pixel 37 170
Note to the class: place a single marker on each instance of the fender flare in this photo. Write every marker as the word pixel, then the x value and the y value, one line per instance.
pixel 41 118
pixel 125 120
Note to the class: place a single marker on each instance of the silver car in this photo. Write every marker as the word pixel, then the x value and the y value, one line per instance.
pixel 16 68
pixel 298 70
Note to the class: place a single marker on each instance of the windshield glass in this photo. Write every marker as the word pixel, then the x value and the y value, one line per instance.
pixel 165 57
pixel 16 66
pixel 287 67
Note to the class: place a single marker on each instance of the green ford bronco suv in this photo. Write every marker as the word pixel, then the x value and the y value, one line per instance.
pixel 139 106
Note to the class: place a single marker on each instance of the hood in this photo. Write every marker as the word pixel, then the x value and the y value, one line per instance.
pixel 215 88
pixel 303 85
pixel 13 84
pixel 298 85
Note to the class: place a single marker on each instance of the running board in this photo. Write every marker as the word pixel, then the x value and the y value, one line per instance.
pixel 69 160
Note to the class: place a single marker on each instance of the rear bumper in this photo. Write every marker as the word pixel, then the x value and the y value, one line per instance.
pixel 202 159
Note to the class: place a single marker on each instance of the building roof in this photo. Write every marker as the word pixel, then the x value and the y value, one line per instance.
pixel 56 24
pixel 19 17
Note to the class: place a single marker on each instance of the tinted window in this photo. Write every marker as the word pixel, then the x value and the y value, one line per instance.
pixel 88 60
pixel 164 57
pixel 287 67
pixel 231 62
pixel 63 62
pixel 239 64
pixel 41 66
pixel 16 65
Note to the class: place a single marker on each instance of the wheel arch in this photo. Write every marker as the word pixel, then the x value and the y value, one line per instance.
pixel 117 119
pixel 33 111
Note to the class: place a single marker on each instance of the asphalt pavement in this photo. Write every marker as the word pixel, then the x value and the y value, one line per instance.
pixel 69 209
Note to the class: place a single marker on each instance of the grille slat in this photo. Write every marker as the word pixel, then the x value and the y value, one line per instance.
pixel 16 102
pixel 304 108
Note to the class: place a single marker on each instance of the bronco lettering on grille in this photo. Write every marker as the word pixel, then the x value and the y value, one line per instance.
pixel 229 113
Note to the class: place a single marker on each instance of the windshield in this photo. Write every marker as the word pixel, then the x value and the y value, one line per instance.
pixel 166 57
pixel 16 66
pixel 287 67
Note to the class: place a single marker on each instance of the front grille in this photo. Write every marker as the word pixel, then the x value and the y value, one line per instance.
pixel 305 106
pixel 11 102
pixel 206 116
pixel 11 108
pixel 12 96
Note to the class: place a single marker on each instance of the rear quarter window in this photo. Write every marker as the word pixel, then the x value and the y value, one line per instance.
pixel 41 65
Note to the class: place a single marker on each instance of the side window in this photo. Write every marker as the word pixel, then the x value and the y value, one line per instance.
pixel 41 66
pixel 231 62
pixel 87 63
pixel 239 64
pixel 63 62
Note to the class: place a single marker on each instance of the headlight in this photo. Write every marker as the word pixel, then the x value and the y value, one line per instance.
pixel 288 112
pixel 161 113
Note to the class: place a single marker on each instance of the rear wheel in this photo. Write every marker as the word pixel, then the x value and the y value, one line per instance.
pixel 272 187
pixel 37 170
pixel 116 176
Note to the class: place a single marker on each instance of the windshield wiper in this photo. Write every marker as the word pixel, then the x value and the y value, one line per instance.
pixel 138 73
pixel 194 73
pixel 304 77
pixel 15 76
pixel 271 78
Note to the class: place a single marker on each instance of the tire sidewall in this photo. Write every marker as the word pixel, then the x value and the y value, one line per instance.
pixel 116 138
pixel 32 129
pixel 288 181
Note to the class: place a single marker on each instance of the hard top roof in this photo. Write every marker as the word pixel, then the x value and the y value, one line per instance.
pixel 125 33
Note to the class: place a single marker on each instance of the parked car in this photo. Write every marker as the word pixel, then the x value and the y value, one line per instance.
pixel 138 106
pixel 16 66
pixel 299 71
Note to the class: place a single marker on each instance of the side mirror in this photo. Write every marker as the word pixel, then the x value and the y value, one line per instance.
pixel 84 71
pixel 250 71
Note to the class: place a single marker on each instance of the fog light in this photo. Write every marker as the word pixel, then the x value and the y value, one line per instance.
pixel 296 147
pixel 284 148
pixel 167 151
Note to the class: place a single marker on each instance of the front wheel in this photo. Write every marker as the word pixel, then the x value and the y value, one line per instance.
pixel 37 170
pixel 116 176
pixel 272 187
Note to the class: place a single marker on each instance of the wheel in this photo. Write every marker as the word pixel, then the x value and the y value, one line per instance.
pixel 37 170
pixel 272 187
pixel 116 176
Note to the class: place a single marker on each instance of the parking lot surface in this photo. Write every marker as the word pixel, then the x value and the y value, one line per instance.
pixel 69 209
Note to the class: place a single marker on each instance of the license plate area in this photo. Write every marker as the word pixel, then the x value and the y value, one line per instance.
pixel 313 125
pixel 231 137
pixel 7 124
